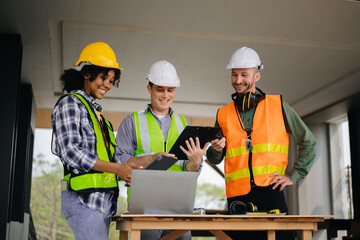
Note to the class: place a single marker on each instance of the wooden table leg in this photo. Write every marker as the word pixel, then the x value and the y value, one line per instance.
pixel 123 235
pixel 135 234
pixel 271 234
pixel 306 234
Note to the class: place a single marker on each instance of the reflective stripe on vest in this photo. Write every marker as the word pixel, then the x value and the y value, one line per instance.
pixel 150 139
pixel 95 181
pixel 270 146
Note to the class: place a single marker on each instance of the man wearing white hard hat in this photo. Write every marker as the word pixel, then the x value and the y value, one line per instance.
pixel 255 145
pixel 159 127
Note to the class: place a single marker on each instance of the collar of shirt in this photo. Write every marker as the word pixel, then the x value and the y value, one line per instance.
pixel 148 109
pixel 90 99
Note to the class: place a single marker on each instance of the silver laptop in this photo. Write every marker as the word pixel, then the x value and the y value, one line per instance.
pixel 162 192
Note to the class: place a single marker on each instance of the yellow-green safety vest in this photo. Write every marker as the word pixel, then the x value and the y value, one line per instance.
pixel 150 139
pixel 95 181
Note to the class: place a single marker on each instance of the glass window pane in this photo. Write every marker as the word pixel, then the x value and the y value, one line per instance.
pixel 341 169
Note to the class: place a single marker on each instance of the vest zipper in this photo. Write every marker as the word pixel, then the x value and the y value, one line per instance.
pixel 252 182
pixel 249 147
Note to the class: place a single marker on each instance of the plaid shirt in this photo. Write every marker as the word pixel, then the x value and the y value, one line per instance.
pixel 74 142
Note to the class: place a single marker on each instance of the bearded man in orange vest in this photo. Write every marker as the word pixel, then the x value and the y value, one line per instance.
pixel 255 145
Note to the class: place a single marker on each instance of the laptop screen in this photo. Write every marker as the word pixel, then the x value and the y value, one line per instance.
pixel 162 192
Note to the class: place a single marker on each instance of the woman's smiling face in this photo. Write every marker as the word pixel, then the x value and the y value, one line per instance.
pixel 100 85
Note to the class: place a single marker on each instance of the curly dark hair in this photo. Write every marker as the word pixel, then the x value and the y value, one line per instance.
pixel 72 79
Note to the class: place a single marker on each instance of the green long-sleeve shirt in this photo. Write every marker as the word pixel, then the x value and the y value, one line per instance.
pixel 297 128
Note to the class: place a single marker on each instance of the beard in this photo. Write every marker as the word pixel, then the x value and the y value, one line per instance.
pixel 242 89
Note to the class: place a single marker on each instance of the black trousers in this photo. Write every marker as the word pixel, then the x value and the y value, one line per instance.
pixel 266 199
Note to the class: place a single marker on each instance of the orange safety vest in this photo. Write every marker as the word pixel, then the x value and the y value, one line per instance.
pixel 270 142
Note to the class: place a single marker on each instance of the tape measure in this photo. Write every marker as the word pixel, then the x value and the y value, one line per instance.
pixel 272 211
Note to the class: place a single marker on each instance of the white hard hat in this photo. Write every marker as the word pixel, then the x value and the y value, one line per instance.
pixel 163 73
pixel 245 58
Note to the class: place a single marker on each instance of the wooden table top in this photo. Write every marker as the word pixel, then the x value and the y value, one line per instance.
pixel 159 217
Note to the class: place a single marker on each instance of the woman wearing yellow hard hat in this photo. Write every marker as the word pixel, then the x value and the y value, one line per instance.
pixel 84 141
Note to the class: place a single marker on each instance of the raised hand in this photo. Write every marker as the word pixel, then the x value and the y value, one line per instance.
pixel 194 153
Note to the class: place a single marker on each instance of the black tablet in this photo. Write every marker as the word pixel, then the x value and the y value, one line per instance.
pixel 205 134
pixel 161 163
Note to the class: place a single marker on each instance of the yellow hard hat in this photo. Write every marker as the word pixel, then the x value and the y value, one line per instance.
pixel 99 54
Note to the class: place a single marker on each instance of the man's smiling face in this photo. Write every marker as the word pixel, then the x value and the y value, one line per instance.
pixel 161 98
pixel 243 79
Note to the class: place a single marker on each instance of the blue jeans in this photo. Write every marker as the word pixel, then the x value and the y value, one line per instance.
pixel 84 222
pixel 156 234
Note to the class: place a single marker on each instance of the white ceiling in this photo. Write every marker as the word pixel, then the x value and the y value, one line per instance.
pixel 310 49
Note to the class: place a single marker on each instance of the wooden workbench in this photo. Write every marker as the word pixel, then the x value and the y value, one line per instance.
pixel 182 223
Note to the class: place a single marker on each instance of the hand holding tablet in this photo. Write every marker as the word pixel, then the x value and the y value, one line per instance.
pixel 205 134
